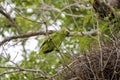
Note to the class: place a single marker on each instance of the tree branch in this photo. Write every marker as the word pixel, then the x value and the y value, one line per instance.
pixel 4 13
pixel 25 36
pixel 21 70
pixel 90 33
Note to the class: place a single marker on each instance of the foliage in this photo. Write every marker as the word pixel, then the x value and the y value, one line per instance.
pixel 37 15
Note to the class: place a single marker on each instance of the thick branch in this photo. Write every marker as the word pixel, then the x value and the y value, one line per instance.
pixel 24 36
pixel 92 33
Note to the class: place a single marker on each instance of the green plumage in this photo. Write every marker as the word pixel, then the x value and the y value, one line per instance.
pixel 53 42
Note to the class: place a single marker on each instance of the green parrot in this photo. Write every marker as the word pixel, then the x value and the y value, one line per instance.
pixel 53 42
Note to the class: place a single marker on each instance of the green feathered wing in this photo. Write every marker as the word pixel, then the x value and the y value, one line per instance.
pixel 53 42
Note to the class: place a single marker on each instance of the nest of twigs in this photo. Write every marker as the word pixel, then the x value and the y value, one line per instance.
pixel 102 64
